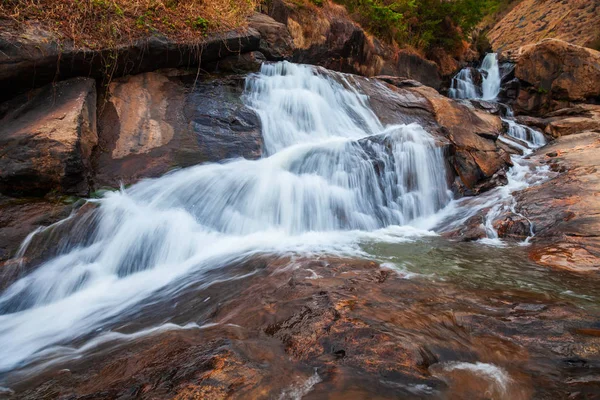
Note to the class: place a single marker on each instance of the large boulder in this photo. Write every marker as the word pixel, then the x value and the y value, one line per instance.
pixel 157 121
pixel 276 43
pixel 557 71
pixel 46 139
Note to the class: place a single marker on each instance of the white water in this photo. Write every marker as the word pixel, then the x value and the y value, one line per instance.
pixel 332 175
pixel 490 85
pixel 464 87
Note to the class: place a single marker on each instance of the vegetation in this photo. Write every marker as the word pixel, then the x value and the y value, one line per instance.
pixel 423 24
pixel 102 23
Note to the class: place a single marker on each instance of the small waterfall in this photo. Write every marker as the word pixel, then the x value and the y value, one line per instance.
pixel 330 171
pixel 463 85
pixel 490 85
pixel 532 137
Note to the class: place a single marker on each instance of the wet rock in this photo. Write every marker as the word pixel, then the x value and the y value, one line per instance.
pixel 275 40
pixel 347 334
pixel 157 121
pixel 35 57
pixel 512 227
pixel 558 71
pixel 564 210
pixel 46 140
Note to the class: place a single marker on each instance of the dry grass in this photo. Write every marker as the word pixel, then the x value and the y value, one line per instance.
pixel 105 23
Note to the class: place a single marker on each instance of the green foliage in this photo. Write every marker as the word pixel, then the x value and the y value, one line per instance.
pixel 421 23
pixel 318 3
pixel 199 23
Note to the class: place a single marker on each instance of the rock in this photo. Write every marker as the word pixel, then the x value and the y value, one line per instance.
pixel 530 21
pixel 509 91
pixel 46 140
pixel 477 157
pixel 558 71
pixel 275 40
pixel 587 119
pixel 358 331
pixel 33 57
pixel 565 210
pixel 241 63
pixel 512 227
pixel 398 81
pixel 328 37
pixel 157 121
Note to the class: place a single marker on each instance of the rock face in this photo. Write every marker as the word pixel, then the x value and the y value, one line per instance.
pixel 574 21
pixel 328 37
pixel 566 121
pixel 46 140
pixel 565 210
pixel 34 57
pixel 276 43
pixel 555 71
pixel 158 121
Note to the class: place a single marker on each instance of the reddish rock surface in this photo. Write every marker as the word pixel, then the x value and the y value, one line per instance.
pixel 341 329
pixel 46 140
pixel 565 210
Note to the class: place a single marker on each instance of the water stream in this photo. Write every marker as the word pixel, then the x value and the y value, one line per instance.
pixel 333 180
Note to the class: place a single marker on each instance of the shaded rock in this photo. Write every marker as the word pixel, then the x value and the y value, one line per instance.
pixel 275 40
pixel 46 140
pixel 34 57
pixel 558 71
pixel 237 64
pixel 157 121
pixel 328 37
pixel 565 210
pixel 399 81
pixel 509 91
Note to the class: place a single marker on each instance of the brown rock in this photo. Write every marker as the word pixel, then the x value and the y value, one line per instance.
pixel 565 210
pixel 588 119
pixel 158 121
pixel 560 69
pixel 275 40
pixel 46 140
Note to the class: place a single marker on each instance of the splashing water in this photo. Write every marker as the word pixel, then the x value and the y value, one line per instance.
pixel 331 174
pixel 490 85
pixel 463 85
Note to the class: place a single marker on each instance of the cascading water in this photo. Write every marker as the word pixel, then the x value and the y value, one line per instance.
pixel 331 172
pixel 463 85
pixel 490 84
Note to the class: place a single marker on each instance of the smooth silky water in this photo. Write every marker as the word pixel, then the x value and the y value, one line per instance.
pixel 333 181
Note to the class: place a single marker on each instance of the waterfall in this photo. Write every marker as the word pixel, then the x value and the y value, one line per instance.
pixel 463 85
pixel 490 85
pixel 532 137
pixel 330 170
